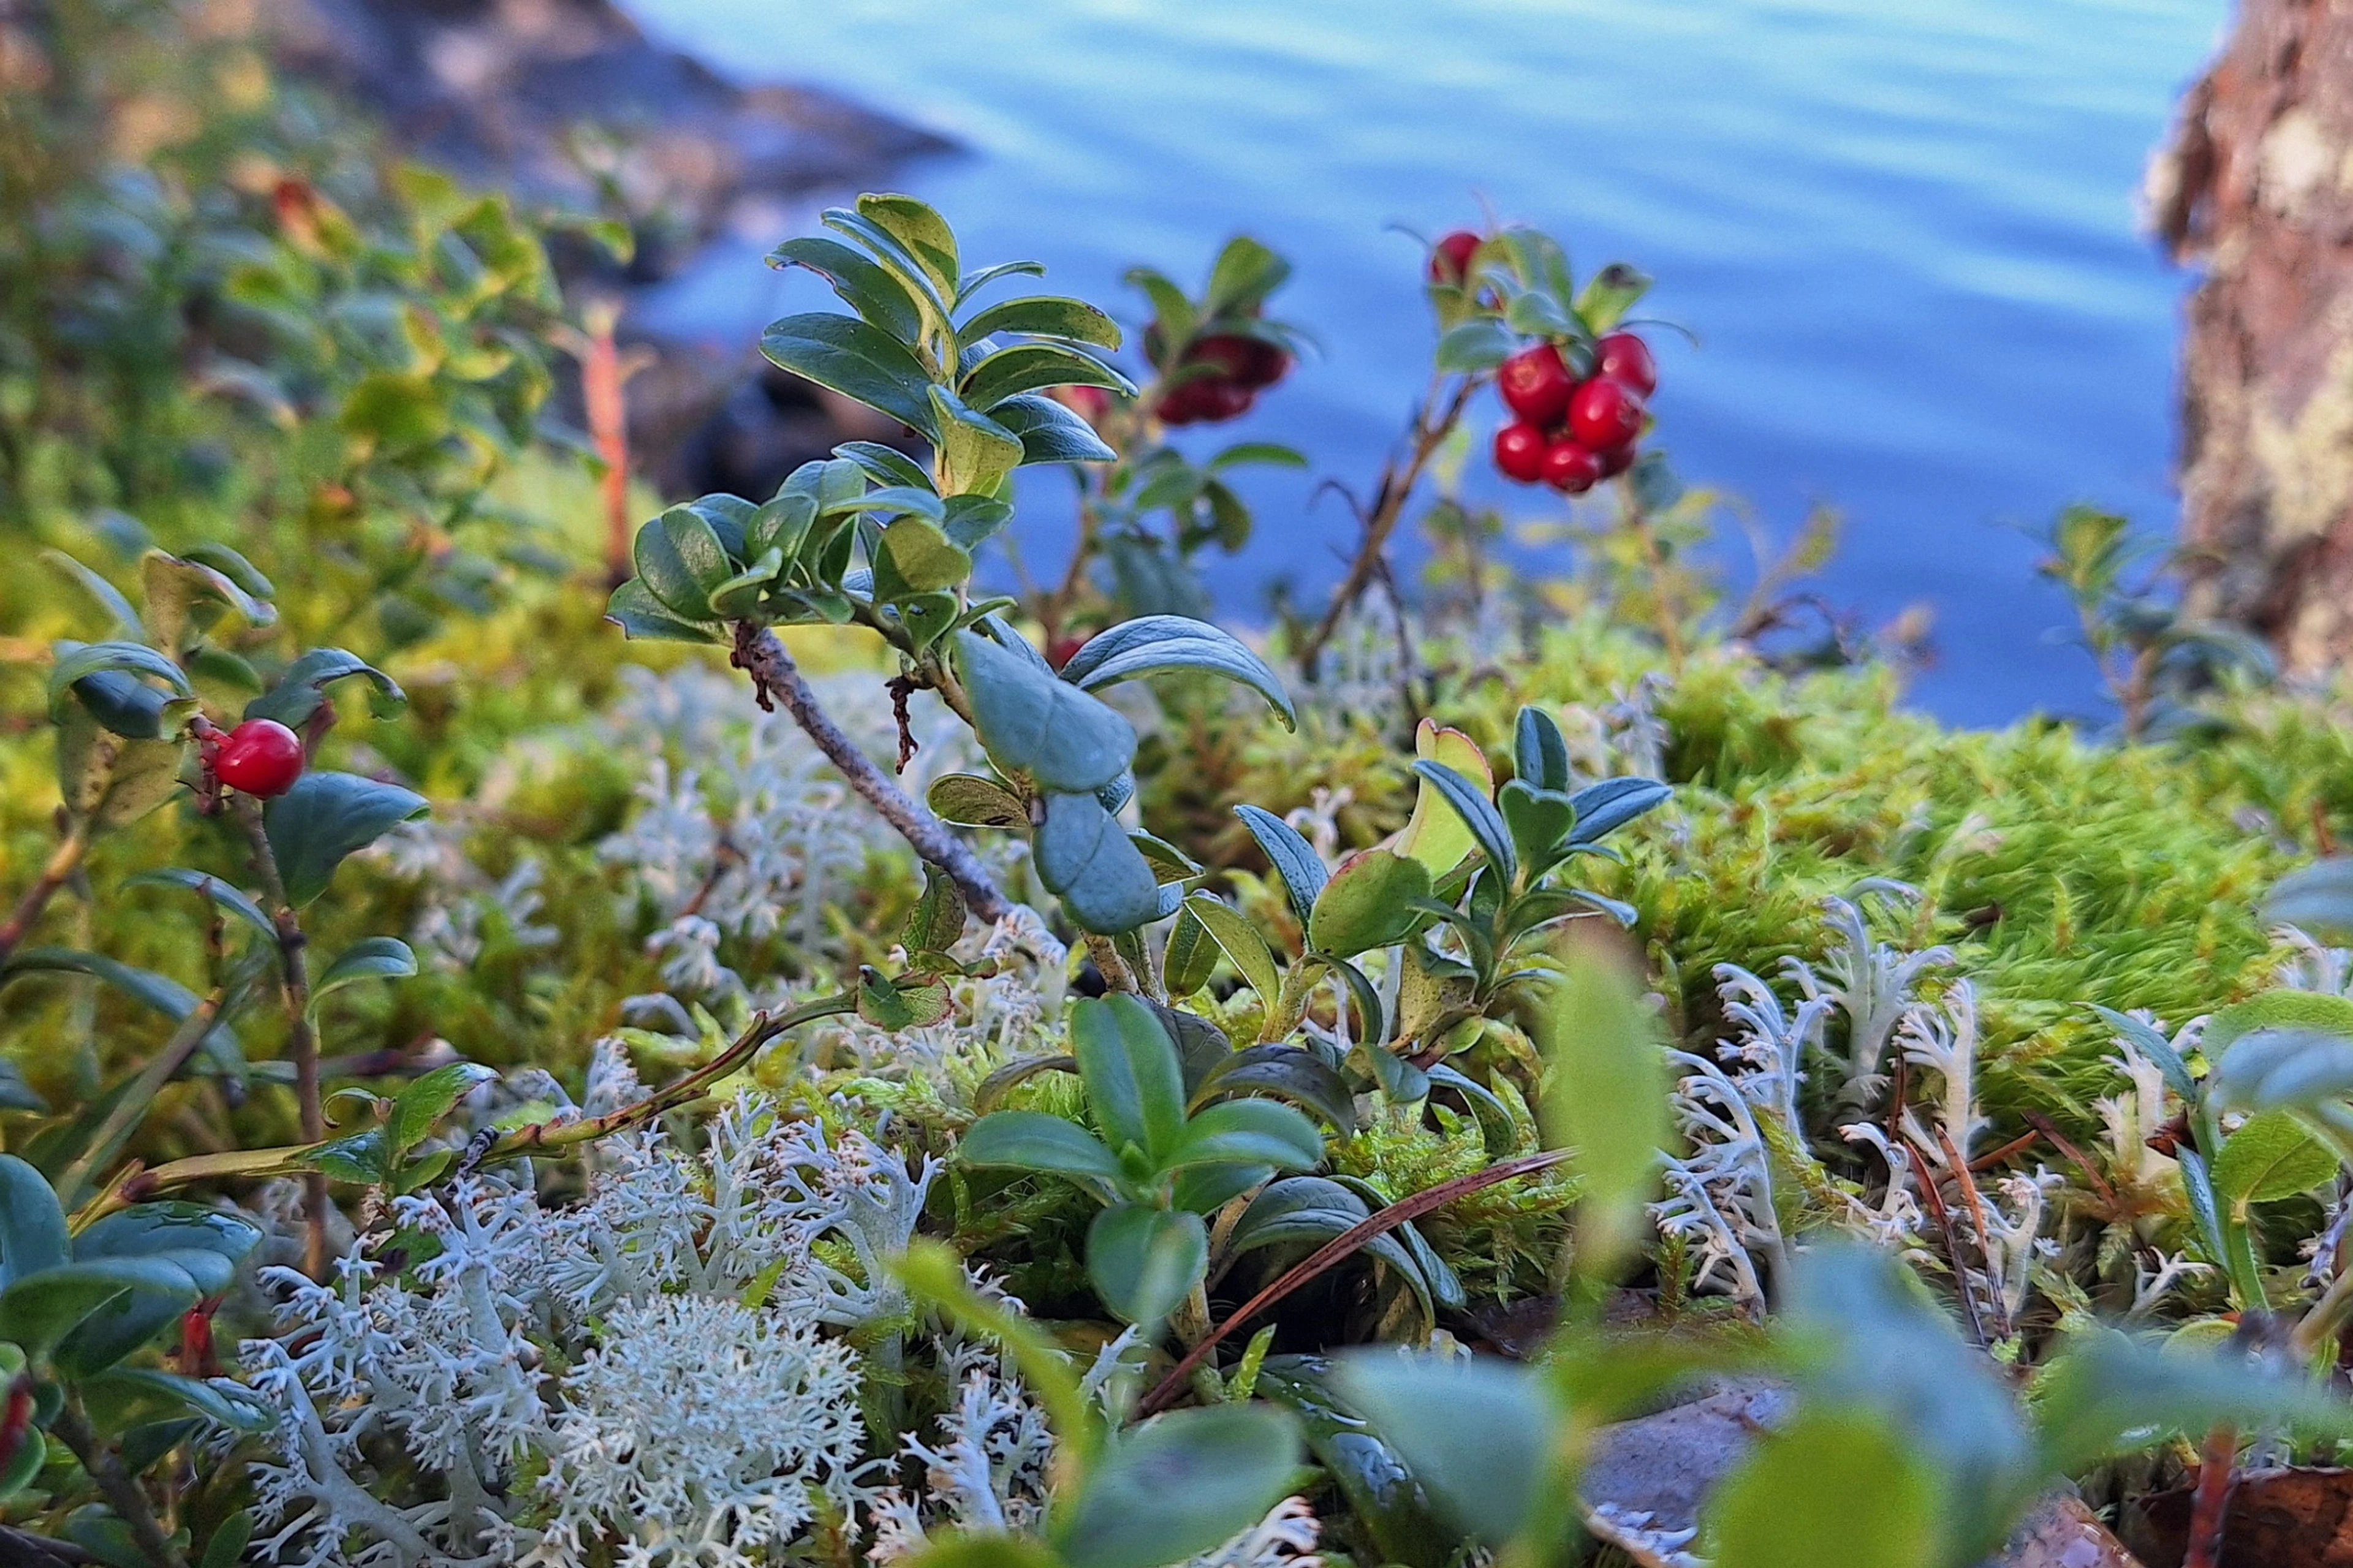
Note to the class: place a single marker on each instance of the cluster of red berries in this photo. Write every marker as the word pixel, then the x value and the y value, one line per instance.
pixel 1567 432
pixel 261 757
pixel 1239 368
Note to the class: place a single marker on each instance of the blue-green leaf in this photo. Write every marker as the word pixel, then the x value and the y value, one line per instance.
pixel 1294 858
pixel 32 1224
pixel 326 817
pixel 1610 804
pixel 1156 644
pixel 302 688
pixel 1086 857
pixel 1178 1485
pixel 1476 1432
pixel 861 362
pixel 1144 1261
pixel 1051 433
pixel 1031 723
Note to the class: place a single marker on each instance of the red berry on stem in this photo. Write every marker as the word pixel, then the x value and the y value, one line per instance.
pixel 1622 356
pixel 1449 258
pixel 1251 362
pixel 1520 452
pixel 1603 413
pixel 261 757
pixel 1571 468
pixel 1536 385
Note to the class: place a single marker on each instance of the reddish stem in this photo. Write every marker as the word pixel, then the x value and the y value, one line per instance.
pixel 1338 1247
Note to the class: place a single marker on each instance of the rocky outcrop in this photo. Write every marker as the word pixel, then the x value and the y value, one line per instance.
pixel 566 102
pixel 2256 188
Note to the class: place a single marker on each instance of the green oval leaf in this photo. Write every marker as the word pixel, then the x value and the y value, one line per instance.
pixel 1033 1140
pixel 1083 855
pixel 1469 802
pixel 1051 433
pixel 326 817
pixel 1240 941
pixel 1295 859
pixel 1178 1485
pixel 1044 316
pixel 1372 900
pixel 1033 723
pixel 1156 645
pixel 1144 1262
pixel 861 362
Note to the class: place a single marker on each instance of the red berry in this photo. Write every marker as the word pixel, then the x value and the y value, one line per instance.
pixel 1570 468
pixel 1090 402
pixel 1616 461
pixel 1207 399
pixel 1520 452
pixel 261 757
pixel 1449 258
pixel 1059 651
pixel 1624 357
pixel 1536 385
pixel 1603 413
pixel 1250 362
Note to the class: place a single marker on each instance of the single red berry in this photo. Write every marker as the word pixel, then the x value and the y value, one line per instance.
pixel 1059 651
pixel 1090 402
pixel 1570 466
pixel 1624 357
pixel 1616 461
pixel 1536 385
pixel 1222 400
pixel 1520 452
pixel 1603 413
pixel 261 757
pixel 1250 362
pixel 1449 258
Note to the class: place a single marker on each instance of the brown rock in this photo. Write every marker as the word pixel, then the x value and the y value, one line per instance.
pixel 2256 186
pixel 2300 1518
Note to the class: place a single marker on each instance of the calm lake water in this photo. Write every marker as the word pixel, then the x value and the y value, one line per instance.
pixel 1902 231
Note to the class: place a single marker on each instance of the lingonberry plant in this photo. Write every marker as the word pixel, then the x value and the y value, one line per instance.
pixel 917 1257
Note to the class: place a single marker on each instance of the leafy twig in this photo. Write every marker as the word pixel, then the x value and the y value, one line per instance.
pixel 1338 1247
pixel 1380 520
pixel 302 1038
pixel 776 677
pixel 123 1493
pixel 62 865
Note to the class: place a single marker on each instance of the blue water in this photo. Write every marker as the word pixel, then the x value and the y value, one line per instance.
pixel 1903 230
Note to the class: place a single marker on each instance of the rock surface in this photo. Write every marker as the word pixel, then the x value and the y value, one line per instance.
pixel 568 102
pixel 2256 187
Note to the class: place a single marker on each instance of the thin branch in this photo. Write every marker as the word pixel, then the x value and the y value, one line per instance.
pixel 121 1493
pixel 302 1038
pixel 1381 520
pixel 776 679
pixel 63 864
pixel 1945 1226
pixel 1333 1251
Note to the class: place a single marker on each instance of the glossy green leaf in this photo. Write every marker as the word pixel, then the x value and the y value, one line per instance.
pixel 1239 941
pixel 325 817
pixel 418 1108
pixel 1381 1492
pixel 640 615
pixel 862 363
pixel 38 1311
pixel 1310 1211
pixel 1030 722
pixel 1833 1486
pixel 184 597
pixel 1044 316
pixel 920 559
pixel 1469 802
pixel 1134 1086
pixel 1475 1433
pixel 369 958
pixel 1475 346
pixel 1178 1485
pixel 2269 1158
pixel 1084 855
pixel 1144 1261
pixel 1295 859
pixel 1158 644
pixel 32 1224
pixel 1539 750
pixel 1035 367
pixel 972 520
pixel 1247 1132
pixel 1538 821
pixel 77 661
pixel 975 801
pixel 863 285
pixel 1048 432
pixel 1191 955
pixel 1372 900
pixel 976 451
pixel 160 992
pixel 1033 1140
pixel 937 922
pixel 303 689
pixel 682 561
pixel 905 1001
pixel 206 884
pixel 1244 274
pixel 1287 1071
pixel 1605 807
pixel 107 596
pixel 920 231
